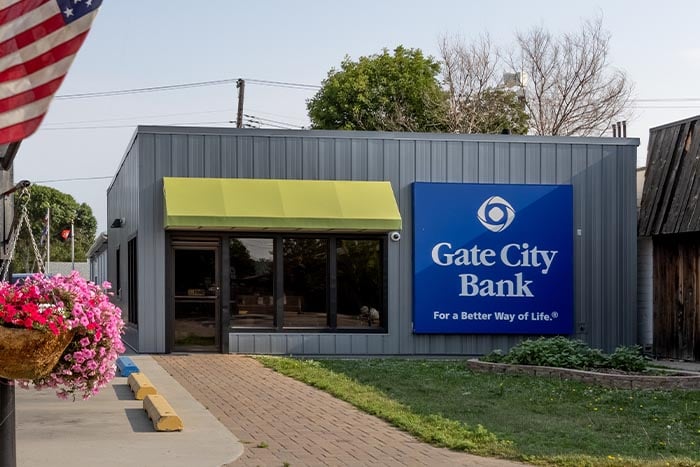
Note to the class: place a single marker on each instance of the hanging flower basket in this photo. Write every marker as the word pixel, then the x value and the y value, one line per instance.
pixel 59 332
pixel 30 353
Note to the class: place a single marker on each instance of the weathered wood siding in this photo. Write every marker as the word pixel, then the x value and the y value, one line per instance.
pixel 670 201
pixel 670 215
pixel 677 296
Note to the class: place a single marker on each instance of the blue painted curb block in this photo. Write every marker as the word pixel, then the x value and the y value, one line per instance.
pixel 126 366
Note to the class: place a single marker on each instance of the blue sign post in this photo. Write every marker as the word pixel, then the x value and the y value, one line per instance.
pixel 492 259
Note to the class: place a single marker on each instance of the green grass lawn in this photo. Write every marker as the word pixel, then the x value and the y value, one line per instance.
pixel 536 419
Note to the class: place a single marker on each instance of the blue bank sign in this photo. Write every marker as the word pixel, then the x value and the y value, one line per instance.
pixel 492 259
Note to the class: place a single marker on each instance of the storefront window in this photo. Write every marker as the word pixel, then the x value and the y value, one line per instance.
pixel 305 282
pixel 360 300
pixel 252 295
pixel 327 282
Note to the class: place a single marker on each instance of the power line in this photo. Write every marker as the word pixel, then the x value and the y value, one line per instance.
pixel 73 179
pixel 104 127
pixel 283 84
pixel 292 117
pixel 96 127
pixel 116 119
pixel 121 92
pixel 61 125
pixel 259 124
pixel 667 107
pixel 173 87
pixel 291 125
pixel 668 99
pixel 263 82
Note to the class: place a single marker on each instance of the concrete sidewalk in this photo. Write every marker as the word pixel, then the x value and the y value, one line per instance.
pixel 679 365
pixel 112 429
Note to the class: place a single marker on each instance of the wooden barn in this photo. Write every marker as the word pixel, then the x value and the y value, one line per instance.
pixel 669 215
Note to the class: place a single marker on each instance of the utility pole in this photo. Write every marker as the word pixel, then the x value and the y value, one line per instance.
pixel 240 84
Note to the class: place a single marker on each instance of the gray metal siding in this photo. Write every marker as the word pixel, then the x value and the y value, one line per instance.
pixel 122 202
pixel 601 171
pixel 98 267
pixel 188 157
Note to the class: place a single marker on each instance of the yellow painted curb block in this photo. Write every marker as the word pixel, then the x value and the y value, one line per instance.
pixel 141 386
pixel 161 413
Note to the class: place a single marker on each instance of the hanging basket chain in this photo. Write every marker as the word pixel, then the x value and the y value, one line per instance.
pixel 24 196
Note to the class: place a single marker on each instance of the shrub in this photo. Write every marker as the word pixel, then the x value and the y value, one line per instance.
pixel 628 358
pixel 569 353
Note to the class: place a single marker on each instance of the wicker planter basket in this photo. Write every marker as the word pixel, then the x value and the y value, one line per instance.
pixel 30 354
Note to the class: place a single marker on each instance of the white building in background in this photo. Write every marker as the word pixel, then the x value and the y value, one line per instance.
pixel 645 278
pixel 97 260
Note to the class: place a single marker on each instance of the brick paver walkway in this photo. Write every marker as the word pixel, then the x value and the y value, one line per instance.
pixel 284 422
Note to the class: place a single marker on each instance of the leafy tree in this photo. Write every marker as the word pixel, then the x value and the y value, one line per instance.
pixel 499 111
pixel 391 92
pixel 402 92
pixel 305 263
pixel 240 257
pixel 63 208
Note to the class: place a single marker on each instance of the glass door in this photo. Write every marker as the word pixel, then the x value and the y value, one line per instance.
pixel 196 299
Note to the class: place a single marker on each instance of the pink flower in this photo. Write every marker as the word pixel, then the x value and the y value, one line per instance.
pixel 61 304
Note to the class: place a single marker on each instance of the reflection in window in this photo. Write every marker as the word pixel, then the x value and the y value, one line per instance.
pixel 305 289
pixel 195 324
pixel 195 272
pixel 252 301
pixel 196 298
pixel 132 282
pixel 359 283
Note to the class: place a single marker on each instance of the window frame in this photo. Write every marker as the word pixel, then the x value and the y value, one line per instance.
pixel 132 281
pixel 331 282
pixel 118 267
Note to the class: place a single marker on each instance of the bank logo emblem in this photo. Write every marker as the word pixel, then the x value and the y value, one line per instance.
pixel 496 214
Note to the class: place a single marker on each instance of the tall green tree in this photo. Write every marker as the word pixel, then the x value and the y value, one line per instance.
pixel 406 91
pixel 396 91
pixel 63 208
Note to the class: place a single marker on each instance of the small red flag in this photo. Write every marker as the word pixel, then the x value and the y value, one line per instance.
pixel 65 234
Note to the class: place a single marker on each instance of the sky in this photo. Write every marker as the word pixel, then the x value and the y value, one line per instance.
pixel 136 44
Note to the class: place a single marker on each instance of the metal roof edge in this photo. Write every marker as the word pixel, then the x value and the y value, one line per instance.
pixel 100 240
pixel 482 138
pixel 126 153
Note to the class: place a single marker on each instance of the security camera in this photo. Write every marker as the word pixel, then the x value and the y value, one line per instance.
pixel 395 236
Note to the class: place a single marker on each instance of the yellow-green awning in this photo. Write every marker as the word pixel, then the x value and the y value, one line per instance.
pixel 284 205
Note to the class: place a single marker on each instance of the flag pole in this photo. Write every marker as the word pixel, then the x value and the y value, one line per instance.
pixel 48 241
pixel 72 246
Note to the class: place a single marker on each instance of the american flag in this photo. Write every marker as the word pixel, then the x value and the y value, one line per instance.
pixel 38 41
